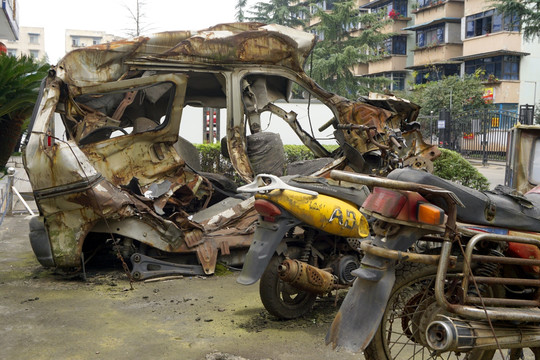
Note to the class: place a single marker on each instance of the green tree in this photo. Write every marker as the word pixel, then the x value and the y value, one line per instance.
pixel 452 92
pixel 527 12
pixel 282 12
pixel 19 83
pixel 240 6
pixel 339 50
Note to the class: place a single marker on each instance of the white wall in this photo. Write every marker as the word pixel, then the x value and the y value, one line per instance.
pixel 529 73
pixel 192 122
pixel 191 126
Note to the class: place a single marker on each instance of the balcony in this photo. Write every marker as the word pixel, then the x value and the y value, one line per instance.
pixel 9 27
pixel 396 26
pixel 504 40
pixel 506 91
pixel 387 64
pixel 436 54
pixel 439 9
pixel 360 69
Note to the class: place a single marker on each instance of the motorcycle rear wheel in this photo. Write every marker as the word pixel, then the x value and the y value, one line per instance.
pixel 394 339
pixel 279 298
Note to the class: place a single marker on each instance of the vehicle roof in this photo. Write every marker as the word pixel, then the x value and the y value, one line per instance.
pixel 232 44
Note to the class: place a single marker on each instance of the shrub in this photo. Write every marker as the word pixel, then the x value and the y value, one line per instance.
pixel 452 166
pixel 212 160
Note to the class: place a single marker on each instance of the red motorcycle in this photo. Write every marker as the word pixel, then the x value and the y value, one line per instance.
pixel 451 273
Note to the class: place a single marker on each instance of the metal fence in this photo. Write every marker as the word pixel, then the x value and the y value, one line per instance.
pixel 480 134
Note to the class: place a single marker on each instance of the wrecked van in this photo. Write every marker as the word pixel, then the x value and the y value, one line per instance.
pixel 109 166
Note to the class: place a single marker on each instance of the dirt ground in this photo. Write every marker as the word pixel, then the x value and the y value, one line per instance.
pixel 50 316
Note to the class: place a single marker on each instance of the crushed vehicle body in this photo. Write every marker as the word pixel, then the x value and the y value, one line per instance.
pixel 108 164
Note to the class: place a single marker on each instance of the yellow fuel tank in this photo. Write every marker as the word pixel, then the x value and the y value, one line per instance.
pixel 329 214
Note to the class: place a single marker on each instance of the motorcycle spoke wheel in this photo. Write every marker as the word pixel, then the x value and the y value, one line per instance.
pixel 400 333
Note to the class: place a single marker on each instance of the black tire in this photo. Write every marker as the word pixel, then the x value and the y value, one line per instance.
pixel 280 299
pixel 39 240
pixel 394 339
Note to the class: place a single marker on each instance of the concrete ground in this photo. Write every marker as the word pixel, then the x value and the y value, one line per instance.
pixel 494 171
pixel 44 315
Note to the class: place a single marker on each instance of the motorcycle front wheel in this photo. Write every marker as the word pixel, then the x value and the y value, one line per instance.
pixel 279 298
pixel 399 334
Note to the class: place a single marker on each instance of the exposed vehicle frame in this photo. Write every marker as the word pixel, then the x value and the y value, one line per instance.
pixel 104 155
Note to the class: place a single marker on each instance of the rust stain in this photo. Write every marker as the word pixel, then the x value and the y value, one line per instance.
pixel 88 89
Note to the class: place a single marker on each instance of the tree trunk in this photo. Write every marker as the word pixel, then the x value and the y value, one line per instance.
pixel 10 134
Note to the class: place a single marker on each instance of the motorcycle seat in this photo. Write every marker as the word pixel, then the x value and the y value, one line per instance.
pixel 355 195
pixel 482 207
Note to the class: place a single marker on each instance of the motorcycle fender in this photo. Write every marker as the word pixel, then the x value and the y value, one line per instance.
pixel 364 305
pixel 362 309
pixel 266 240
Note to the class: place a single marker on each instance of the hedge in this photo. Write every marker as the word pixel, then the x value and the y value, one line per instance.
pixel 450 165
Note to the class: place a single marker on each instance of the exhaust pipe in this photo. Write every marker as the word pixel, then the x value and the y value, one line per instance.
pixel 306 277
pixel 447 334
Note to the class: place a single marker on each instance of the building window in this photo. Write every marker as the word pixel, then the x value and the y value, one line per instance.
pixel 96 41
pixel 75 41
pixel 300 15
pixel 318 33
pixel 33 38
pixel 398 6
pixel 427 3
pixel 34 54
pixel 436 73
pixel 395 45
pixel 323 5
pixel 504 67
pixel 12 52
pixel 488 22
pixel 398 82
pixel 432 35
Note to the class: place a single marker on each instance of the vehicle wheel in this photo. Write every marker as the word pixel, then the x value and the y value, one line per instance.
pixel 398 334
pixel 279 298
pixel 39 240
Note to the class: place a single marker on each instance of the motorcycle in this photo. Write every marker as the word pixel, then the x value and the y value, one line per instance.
pixel 450 273
pixel 306 242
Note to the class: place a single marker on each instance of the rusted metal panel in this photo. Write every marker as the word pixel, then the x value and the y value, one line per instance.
pixel 116 170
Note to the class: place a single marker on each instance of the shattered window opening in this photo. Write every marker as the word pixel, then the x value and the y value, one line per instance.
pixel 143 178
pixel 266 95
pixel 105 116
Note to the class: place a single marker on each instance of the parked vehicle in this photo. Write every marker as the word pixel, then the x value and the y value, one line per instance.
pixel 109 169
pixel 523 158
pixel 472 293
pixel 306 242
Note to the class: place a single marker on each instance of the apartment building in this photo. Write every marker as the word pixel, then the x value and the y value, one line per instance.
pixel 81 38
pixel 31 42
pixel 435 38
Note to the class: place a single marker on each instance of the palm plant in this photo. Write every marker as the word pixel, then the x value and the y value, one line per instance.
pixel 19 83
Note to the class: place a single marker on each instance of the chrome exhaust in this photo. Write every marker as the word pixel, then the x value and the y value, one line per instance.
pixel 447 334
